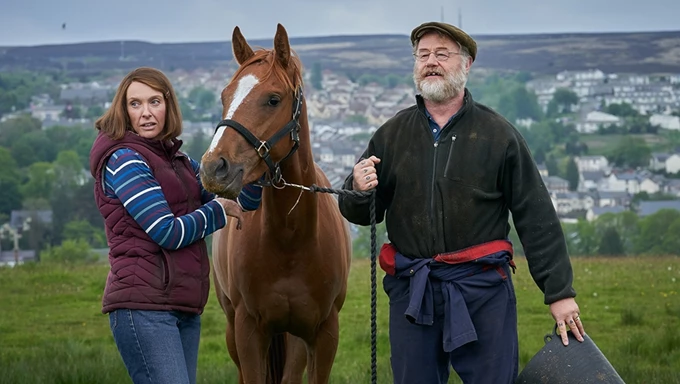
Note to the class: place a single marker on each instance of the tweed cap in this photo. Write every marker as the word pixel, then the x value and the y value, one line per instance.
pixel 455 33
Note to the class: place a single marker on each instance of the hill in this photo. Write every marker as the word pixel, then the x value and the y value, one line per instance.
pixel 632 52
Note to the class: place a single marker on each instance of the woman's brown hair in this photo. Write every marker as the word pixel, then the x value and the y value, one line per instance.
pixel 115 121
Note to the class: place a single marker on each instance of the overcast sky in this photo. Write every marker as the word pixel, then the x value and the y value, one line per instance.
pixel 36 22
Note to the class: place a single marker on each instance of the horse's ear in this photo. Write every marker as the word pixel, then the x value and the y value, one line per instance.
pixel 240 47
pixel 282 46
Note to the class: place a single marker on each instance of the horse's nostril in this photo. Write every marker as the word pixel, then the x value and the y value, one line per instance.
pixel 222 168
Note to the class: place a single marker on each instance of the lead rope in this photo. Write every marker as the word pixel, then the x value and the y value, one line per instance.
pixel 374 300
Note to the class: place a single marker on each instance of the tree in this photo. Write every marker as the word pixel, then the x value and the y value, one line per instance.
pixel 40 182
pixel 94 111
pixel 33 147
pixel 316 76
pixel 610 243
pixel 631 152
pixel 70 251
pixel 562 102
pixel 622 110
pixel 198 145
pixel 654 229
pixel 12 129
pixel 203 99
pixel 10 178
pixel 519 103
pixel 83 230
pixel 551 166
pixel 572 174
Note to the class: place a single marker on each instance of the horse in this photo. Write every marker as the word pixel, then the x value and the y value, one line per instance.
pixel 282 279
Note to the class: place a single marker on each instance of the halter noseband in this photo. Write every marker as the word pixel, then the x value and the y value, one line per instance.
pixel 262 147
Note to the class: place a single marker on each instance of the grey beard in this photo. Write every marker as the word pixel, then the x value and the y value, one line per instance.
pixel 440 90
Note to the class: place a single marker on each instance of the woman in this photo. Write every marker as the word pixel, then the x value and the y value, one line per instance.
pixel 156 215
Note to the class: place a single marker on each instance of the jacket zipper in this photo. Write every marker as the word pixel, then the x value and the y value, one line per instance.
pixel 448 159
pixel 434 180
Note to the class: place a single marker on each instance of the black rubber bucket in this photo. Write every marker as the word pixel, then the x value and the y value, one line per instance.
pixel 576 363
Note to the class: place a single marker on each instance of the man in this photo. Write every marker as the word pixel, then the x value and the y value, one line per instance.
pixel 448 171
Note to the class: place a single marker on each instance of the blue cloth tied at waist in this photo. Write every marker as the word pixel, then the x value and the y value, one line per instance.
pixel 457 328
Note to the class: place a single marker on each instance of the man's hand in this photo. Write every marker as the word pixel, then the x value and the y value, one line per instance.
pixel 566 313
pixel 365 175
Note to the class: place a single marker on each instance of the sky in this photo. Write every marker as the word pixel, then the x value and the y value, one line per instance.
pixel 39 22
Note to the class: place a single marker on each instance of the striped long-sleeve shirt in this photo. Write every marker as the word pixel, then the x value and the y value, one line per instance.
pixel 129 179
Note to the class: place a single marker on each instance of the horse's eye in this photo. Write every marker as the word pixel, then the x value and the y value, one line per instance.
pixel 273 101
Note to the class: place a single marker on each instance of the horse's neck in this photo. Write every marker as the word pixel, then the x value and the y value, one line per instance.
pixel 292 212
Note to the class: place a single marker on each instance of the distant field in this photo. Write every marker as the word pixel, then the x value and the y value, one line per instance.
pixel 604 144
pixel 52 331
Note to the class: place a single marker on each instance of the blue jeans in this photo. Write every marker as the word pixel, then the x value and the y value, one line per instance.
pixel 157 346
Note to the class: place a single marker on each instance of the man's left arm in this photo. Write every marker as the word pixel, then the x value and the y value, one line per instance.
pixel 541 234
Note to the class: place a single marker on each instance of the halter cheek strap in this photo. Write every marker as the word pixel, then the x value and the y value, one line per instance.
pixel 263 147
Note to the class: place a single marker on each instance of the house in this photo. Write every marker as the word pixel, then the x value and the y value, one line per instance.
pixel 542 170
pixel 556 184
pixel 665 121
pixel 595 212
pixel 613 199
pixel 673 163
pixel 651 184
pixel 658 161
pixel 592 122
pixel 567 202
pixel 622 182
pixel 592 163
pixel 672 187
pixel 647 208
pixel 590 180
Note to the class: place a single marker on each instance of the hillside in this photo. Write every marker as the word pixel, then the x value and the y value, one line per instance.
pixel 634 52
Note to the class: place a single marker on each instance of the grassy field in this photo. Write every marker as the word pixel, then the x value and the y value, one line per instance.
pixel 52 331
pixel 605 144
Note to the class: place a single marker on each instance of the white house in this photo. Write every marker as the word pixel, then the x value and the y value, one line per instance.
pixel 622 182
pixel 658 161
pixel 613 199
pixel 596 119
pixel 673 163
pixel 665 121
pixel 590 180
pixel 649 185
pixel 592 163
pixel 595 212
pixel 572 201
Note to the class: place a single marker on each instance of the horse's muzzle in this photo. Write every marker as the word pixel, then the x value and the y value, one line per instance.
pixel 222 178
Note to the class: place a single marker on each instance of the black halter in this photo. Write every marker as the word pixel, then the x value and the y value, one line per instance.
pixel 264 147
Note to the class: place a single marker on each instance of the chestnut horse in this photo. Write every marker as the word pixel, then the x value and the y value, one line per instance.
pixel 282 279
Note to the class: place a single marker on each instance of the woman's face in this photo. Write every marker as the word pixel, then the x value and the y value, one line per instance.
pixel 146 108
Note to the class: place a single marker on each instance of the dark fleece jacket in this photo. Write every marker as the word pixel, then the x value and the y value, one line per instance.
pixel 459 191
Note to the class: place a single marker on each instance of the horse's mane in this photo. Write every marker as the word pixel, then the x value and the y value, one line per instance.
pixel 275 68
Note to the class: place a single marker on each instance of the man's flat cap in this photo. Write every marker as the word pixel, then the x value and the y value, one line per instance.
pixel 453 32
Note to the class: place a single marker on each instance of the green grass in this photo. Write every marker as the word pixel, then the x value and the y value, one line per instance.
pixel 52 330
pixel 605 144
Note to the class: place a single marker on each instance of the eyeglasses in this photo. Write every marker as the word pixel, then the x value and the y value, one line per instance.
pixel 440 55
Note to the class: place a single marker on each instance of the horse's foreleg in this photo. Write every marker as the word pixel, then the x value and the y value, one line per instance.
pixel 252 347
pixel 296 360
pixel 231 347
pixel 228 309
pixel 322 352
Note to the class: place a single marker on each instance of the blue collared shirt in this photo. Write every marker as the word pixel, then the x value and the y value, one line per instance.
pixel 434 127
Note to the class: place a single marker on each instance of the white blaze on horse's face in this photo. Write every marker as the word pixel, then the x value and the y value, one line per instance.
pixel 245 85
